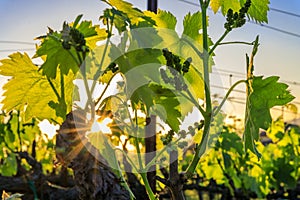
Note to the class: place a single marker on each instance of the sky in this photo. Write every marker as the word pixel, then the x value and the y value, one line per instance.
pixel 278 53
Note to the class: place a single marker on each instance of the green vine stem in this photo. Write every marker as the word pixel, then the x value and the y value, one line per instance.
pixel 200 148
pixel 136 142
pixel 98 72
pixel 129 159
pixel 218 42
pixel 62 87
pixel 151 195
pixel 19 130
pixel 142 171
pixel 90 91
pixel 227 95
pixel 132 197
pixel 237 42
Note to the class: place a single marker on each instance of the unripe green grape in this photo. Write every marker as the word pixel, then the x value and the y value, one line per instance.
pixel 182 133
pixel 77 37
pixel 182 144
pixel 66 45
pixel 78 48
pixel 235 16
pixel 178 67
pixel 230 13
pixel 115 69
pixel 248 4
pixel 176 59
pixel 190 128
pixel 196 124
pixel 168 56
pixel 227 26
pixel 186 65
pixel 168 137
pixel 200 126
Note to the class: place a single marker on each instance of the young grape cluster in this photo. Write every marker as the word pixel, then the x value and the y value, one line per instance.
pixel 177 68
pixel 174 62
pixel 111 67
pixel 237 19
pixel 166 139
pixel 197 126
pixel 73 37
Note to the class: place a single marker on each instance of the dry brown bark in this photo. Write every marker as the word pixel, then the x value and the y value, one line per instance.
pixel 93 177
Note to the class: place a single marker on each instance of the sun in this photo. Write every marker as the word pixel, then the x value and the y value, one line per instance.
pixel 101 126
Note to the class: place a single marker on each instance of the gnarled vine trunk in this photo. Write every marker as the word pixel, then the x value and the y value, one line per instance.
pixel 93 177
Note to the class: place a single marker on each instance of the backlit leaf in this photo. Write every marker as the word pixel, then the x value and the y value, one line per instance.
pixel 266 93
pixel 166 106
pixel 66 60
pixel 192 25
pixel 215 5
pixel 258 10
pixel 92 34
pixel 163 19
pixel 56 57
pixel 28 90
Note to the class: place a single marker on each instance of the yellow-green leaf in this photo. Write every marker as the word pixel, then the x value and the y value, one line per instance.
pixel 163 19
pixel 258 10
pixel 29 91
pixel 215 5
pixel 266 93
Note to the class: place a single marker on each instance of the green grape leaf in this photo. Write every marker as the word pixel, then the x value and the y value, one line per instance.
pixel 118 18
pixel 56 57
pixel 283 172
pixel 92 34
pixel 192 24
pixel 230 4
pixel 231 142
pixel 123 14
pixel 258 10
pixel 9 167
pixel 195 83
pixel 166 106
pixel 133 14
pixel 29 90
pixel 142 98
pixel 163 19
pixel 87 29
pixel 265 94
pixel 215 5
pixel 192 39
